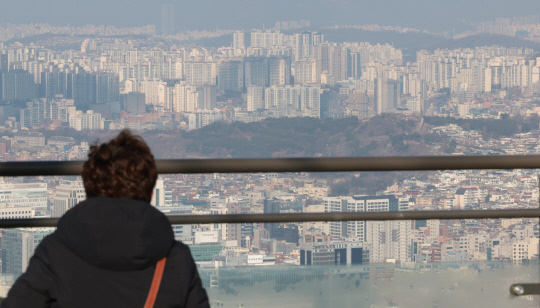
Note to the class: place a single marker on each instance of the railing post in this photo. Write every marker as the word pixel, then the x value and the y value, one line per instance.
pixel 522 289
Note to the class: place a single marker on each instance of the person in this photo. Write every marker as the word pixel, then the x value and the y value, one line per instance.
pixel 105 249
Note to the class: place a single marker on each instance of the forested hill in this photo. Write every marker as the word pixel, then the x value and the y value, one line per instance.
pixel 490 128
pixel 298 137
pixel 384 135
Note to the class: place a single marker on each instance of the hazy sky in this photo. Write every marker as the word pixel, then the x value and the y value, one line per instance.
pixel 235 14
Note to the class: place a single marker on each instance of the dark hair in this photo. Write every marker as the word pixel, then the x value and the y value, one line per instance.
pixel 122 168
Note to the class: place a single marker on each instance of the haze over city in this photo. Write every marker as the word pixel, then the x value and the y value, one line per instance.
pixel 242 14
pixel 253 79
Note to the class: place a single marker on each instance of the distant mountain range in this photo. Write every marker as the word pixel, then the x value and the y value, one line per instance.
pixel 409 42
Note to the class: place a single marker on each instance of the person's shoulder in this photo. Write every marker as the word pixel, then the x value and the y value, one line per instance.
pixel 180 258
pixel 179 249
pixel 51 249
pixel 48 246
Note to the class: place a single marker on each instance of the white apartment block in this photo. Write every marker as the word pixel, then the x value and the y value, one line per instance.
pixel 386 239
pixel 525 250
pixel 86 121
pixel 305 99
pixel 255 98
pixel 266 39
pixel 16 212
pixel 186 98
pixel 389 240
pixel 202 118
pixel 65 196
pixel 31 196
pixel 306 71
pixel 239 40
pixel 200 73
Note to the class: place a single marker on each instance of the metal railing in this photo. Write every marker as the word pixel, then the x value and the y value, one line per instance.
pixel 306 217
pixel 338 164
pixel 346 164
pixel 341 164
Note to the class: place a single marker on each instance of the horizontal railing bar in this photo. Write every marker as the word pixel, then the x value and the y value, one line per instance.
pixel 342 164
pixel 28 223
pixel 352 216
pixel 306 217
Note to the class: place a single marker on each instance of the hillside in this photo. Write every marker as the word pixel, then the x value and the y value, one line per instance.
pixel 385 135
pixel 485 39
pixel 297 137
pixel 490 128
pixel 411 42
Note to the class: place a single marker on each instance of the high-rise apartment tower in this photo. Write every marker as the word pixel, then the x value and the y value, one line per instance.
pixel 167 19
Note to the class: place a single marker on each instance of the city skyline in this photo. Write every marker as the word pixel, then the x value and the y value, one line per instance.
pixel 286 87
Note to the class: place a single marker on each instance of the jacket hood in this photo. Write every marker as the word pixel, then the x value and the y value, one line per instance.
pixel 116 234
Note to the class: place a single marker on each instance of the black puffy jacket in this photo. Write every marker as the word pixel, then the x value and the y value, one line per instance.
pixel 103 254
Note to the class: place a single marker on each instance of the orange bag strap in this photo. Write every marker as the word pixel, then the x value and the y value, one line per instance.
pixel 156 281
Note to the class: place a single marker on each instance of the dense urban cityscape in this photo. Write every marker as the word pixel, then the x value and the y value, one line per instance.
pixel 63 87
